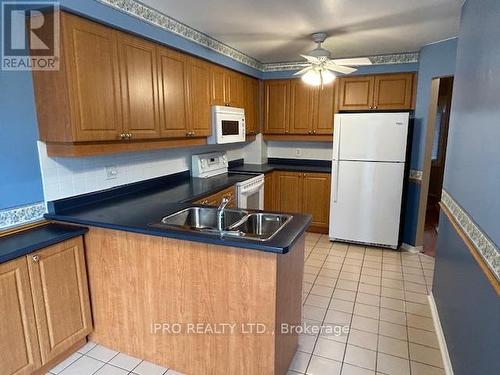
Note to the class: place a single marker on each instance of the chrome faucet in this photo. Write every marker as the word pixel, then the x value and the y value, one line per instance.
pixel 220 212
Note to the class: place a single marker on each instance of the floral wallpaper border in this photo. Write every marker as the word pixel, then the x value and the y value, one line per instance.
pixel 484 246
pixel 21 215
pixel 137 9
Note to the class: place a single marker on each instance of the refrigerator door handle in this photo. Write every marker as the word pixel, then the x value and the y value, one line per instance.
pixel 337 166
pixel 336 181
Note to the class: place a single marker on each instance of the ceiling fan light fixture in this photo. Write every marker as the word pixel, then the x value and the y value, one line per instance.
pixel 312 77
pixel 327 77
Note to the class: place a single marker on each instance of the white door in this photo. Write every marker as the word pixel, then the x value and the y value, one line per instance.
pixel 372 136
pixel 366 202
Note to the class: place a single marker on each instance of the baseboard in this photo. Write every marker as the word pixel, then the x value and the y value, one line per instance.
pixel 448 369
pixel 411 248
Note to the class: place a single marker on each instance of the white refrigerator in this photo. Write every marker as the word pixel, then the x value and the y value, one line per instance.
pixel 369 154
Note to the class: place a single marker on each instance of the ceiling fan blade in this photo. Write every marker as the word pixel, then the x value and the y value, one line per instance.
pixel 355 61
pixel 302 71
pixel 311 59
pixel 339 68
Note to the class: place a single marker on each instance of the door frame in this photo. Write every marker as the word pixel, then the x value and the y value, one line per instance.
pixel 426 170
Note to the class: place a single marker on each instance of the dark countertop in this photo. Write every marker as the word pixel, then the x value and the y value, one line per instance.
pixel 28 241
pixel 136 206
pixel 278 164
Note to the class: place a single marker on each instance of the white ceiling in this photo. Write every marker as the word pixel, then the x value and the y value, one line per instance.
pixel 279 30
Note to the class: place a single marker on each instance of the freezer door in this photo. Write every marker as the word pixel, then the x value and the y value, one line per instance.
pixel 366 202
pixel 372 136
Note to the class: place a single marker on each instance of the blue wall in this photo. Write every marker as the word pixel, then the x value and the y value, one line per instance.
pixel 19 167
pixel 468 306
pixel 435 60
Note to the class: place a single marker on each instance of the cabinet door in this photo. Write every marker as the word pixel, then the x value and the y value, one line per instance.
pixel 94 79
pixel 233 89
pixel 316 198
pixel 302 107
pixel 139 87
pixel 251 105
pixel 276 106
pixel 356 93
pixel 172 80
pixel 289 188
pixel 393 91
pixel 19 352
pixel 269 191
pixel 199 113
pixel 60 293
pixel 217 85
pixel 325 109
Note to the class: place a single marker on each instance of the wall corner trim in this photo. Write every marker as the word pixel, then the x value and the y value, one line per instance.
pixel 443 348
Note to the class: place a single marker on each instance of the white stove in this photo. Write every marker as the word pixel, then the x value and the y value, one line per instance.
pixel 250 193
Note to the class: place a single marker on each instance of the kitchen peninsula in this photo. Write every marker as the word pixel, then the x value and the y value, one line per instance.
pixel 150 285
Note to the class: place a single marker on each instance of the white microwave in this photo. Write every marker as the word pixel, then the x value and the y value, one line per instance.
pixel 228 125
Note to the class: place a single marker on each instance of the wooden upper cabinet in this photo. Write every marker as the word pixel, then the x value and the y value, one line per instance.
pixel 302 107
pixel 323 122
pixel 276 106
pixel 316 198
pixel 199 110
pixel 393 91
pixel 234 91
pixel 93 79
pixel 289 186
pixel 356 93
pixel 19 352
pixel 173 95
pixel 59 287
pixel 377 92
pixel 251 104
pixel 218 84
pixel 138 70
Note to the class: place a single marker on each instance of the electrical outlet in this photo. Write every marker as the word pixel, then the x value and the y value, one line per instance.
pixel 111 172
pixel 298 152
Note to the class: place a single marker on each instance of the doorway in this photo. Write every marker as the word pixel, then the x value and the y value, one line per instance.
pixel 439 115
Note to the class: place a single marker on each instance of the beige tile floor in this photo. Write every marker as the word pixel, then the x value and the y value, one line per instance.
pixel 379 295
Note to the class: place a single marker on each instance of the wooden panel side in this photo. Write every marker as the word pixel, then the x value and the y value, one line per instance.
pixel 52 98
pixel 290 272
pixel 136 300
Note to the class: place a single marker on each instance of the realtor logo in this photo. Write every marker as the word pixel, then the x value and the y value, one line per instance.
pixel 30 35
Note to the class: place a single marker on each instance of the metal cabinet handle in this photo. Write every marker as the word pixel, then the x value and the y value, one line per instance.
pixel 192 133
pixel 375 107
pixel 314 131
pixel 35 258
pixel 122 136
pixel 129 135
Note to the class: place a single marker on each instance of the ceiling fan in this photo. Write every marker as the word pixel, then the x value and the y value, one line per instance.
pixel 320 65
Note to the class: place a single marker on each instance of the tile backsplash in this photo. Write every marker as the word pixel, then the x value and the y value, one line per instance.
pixel 65 177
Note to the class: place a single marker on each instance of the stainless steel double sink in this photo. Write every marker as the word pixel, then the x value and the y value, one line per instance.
pixel 255 226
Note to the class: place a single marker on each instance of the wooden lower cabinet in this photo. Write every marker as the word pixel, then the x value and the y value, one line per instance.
pixel 44 307
pixel 58 280
pixel 305 193
pixel 269 204
pixel 19 352
pixel 289 188
pixel 316 198
pixel 215 199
